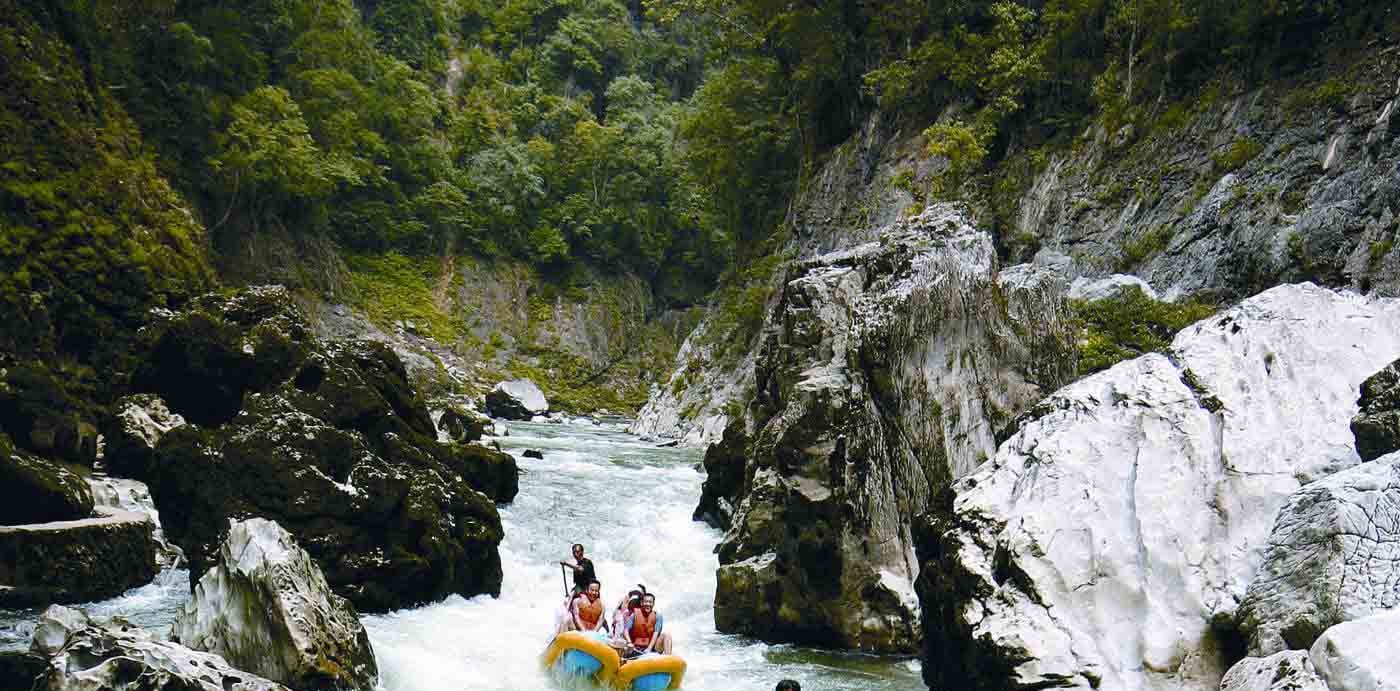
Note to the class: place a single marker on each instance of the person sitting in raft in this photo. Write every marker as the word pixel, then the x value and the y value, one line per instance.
pixel 583 570
pixel 585 611
pixel 625 608
pixel 644 629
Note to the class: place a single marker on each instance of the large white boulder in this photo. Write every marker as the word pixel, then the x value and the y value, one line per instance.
pixel 266 608
pixel 84 655
pixel 518 399
pixel 1290 670
pixel 1361 655
pixel 1334 556
pixel 1111 538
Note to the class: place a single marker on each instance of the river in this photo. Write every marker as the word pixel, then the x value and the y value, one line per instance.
pixel 629 503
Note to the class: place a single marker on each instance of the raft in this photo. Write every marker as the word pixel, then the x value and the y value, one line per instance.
pixel 651 673
pixel 582 655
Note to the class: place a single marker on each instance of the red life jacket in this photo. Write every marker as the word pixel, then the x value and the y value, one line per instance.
pixel 589 612
pixel 643 627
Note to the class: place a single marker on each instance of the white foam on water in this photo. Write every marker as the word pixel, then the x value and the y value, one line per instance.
pixel 630 503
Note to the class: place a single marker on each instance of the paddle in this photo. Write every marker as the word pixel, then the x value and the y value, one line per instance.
pixel 566 581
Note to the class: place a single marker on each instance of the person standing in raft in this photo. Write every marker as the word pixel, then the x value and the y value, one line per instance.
pixel 585 611
pixel 644 628
pixel 583 570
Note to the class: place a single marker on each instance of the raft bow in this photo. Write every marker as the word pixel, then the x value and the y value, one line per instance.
pixel 588 656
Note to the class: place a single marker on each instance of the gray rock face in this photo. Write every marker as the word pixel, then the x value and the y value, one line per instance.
pixel 84 655
pixel 1359 655
pixel 518 399
pixel 266 608
pixel 1108 542
pixel 1290 670
pixel 133 432
pixel 891 369
pixel 1334 556
pixel 75 561
pixel 1377 426
pixel 34 490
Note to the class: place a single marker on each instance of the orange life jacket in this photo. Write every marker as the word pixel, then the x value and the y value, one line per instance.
pixel 643 626
pixel 590 611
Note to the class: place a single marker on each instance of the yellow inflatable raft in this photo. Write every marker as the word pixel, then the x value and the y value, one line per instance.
pixel 650 673
pixel 587 655
pixel 580 654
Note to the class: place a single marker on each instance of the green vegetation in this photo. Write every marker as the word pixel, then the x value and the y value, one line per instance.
pixel 1150 243
pixel 1128 325
pixel 394 287
pixel 1241 151
pixel 91 235
pixel 1331 94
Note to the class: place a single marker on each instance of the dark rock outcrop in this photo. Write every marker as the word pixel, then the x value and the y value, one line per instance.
pixel 888 370
pixel 724 477
pixel 533 453
pixel 519 399
pixel 462 426
pixel 132 432
pixel 1377 426
pixel 33 490
pixel 75 561
pixel 329 440
pixel 87 655
pixel 266 608
pixel 39 414
pixel 19 670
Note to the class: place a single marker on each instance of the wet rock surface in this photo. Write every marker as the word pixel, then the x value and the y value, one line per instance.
pixel 1107 542
pixel 331 441
pixel 462 426
pixel 1334 556
pixel 75 561
pixel 1377 425
pixel 266 608
pixel 870 347
pixel 132 433
pixel 87 655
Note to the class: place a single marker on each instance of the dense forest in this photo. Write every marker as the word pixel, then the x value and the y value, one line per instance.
pixel 664 138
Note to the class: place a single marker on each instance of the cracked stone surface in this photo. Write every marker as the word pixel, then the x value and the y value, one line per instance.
pixel 1108 542
pixel 1334 556
pixel 1290 670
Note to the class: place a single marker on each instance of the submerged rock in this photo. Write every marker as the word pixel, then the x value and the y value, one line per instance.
pixel 1334 556
pixel 330 440
pixel 518 399
pixel 891 368
pixel 533 453
pixel 75 561
pixel 33 490
pixel 85 655
pixel 1290 670
pixel 266 608
pixel 1377 425
pixel 1108 542
pixel 1359 655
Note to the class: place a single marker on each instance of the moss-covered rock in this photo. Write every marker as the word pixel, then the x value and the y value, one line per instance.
pixel 1377 425
pixel 331 441
pixel 33 490
pixel 76 561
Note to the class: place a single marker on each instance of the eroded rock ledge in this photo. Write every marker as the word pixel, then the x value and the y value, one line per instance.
pixel 76 561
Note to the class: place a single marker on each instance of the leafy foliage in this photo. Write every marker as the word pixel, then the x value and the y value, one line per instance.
pixel 1130 324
